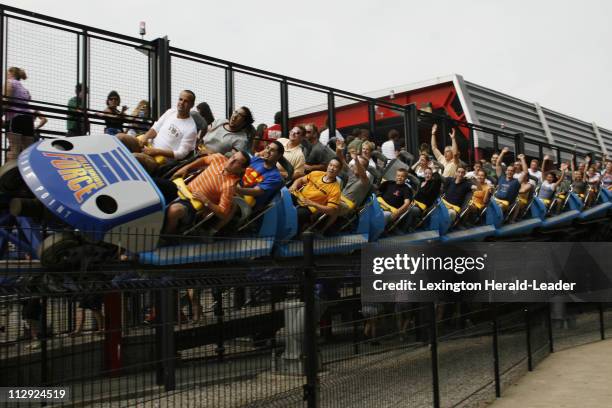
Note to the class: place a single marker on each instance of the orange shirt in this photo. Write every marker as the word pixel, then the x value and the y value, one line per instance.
pixel 217 186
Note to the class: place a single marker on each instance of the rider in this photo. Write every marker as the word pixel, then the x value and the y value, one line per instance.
pixel 317 192
pixel 212 189
pixel 172 136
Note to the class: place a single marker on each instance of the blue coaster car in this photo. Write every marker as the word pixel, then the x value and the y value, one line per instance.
pixel 531 220
pixel 492 219
pixel 288 245
pixel 99 196
pixel 571 211
pixel 437 222
pixel 95 192
pixel 602 205
pixel 224 249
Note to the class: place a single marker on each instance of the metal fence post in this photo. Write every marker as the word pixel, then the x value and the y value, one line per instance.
pixel 434 355
pixel 163 78
pixel 472 156
pixel 219 314
pixel 550 330
pixel 85 75
pixel 311 388
pixel 372 120
pixel 284 99
pixel 168 345
pixel 445 134
pixel 519 143
pixel 153 83
pixel 411 129
pixel 602 330
pixel 496 352
pixel 159 335
pixel 44 357
pixel 331 114
pixel 229 92
pixel 528 336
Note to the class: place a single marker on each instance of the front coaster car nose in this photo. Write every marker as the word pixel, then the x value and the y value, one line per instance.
pixel 93 186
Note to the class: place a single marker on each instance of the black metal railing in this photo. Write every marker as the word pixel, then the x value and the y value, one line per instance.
pixel 262 333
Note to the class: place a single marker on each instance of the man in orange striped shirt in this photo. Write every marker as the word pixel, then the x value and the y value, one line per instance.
pixel 214 188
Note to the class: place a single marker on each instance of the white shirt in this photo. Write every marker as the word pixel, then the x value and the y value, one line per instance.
pixel 517 176
pixel 537 174
pixel 324 137
pixel 178 135
pixel 370 163
pixel 388 149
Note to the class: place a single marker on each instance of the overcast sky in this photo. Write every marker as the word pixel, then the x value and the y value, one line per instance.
pixel 557 53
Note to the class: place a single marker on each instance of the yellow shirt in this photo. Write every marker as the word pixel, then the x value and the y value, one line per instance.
pixel 317 190
pixel 479 195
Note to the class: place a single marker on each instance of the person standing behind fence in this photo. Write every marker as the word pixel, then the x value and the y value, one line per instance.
pixel 113 117
pixel 19 119
pixel 78 122
pixel 139 116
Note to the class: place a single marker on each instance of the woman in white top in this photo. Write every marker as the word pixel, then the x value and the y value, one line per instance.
pixel 550 185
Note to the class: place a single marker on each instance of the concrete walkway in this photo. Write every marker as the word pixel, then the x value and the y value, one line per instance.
pixel 577 377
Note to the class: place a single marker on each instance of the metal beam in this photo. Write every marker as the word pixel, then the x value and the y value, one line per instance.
pixel 284 99
pixel 229 92
pixel 599 138
pixel 466 103
pixel 163 75
pixel 372 119
pixel 411 129
pixel 331 114
pixel 544 122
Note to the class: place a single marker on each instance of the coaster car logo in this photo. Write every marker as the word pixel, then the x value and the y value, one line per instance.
pixel 79 174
